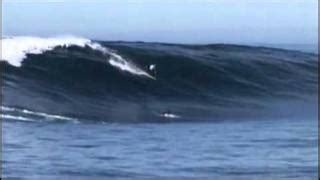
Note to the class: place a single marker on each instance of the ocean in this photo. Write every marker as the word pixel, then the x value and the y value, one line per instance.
pixel 74 107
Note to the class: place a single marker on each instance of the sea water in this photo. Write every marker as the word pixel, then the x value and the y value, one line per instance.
pixel 275 148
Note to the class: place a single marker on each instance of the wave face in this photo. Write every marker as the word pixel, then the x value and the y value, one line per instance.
pixel 77 78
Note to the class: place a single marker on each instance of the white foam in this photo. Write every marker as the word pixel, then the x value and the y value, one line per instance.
pixel 170 115
pixel 19 118
pixel 47 116
pixel 117 61
pixel 39 114
pixel 3 108
pixel 15 50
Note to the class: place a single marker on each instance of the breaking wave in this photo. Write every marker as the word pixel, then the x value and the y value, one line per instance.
pixel 72 78
pixel 15 50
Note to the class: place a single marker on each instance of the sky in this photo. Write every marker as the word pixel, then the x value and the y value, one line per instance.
pixel 173 21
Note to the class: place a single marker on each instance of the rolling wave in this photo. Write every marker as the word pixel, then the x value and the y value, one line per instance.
pixel 16 49
pixel 79 78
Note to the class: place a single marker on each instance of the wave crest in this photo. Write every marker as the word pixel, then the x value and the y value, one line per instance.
pixel 194 82
pixel 15 50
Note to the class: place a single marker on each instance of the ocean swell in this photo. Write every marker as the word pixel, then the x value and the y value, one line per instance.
pixel 79 78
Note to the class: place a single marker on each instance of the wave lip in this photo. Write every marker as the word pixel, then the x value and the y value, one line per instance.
pixel 15 50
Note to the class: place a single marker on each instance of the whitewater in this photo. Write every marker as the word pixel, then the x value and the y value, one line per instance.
pixel 16 49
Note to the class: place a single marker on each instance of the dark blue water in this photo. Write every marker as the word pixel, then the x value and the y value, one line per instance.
pixel 85 109
pixel 276 148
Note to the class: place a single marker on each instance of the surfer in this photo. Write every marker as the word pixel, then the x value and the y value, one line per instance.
pixel 152 69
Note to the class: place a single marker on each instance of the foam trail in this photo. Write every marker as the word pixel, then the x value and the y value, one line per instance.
pixel 119 62
pixel 39 114
pixel 170 115
pixel 15 50
pixel 20 118
pixel 3 108
pixel 45 115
